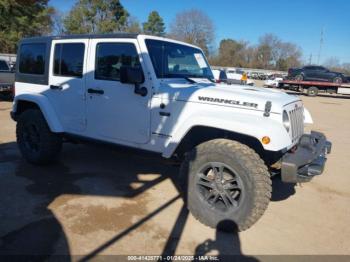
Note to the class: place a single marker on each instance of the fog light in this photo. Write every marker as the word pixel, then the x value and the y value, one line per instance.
pixel 265 140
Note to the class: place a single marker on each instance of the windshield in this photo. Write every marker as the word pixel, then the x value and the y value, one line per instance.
pixel 171 60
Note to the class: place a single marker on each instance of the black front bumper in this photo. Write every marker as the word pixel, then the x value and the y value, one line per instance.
pixel 308 160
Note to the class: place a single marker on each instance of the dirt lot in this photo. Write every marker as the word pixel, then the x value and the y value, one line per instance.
pixel 103 201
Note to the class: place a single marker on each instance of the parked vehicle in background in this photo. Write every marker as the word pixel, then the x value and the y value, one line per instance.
pixel 313 88
pixel 262 76
pixel 7 75
pixel 273 80
pixel 7 78
pixel 156 94
pixel 234 76
pixel 254 75
pixel 315 73
pixel 220 76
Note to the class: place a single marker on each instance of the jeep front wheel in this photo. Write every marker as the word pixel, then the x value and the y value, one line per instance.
pixel 36 142
pixel 226 181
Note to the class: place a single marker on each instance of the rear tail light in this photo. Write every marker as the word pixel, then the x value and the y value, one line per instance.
pixel 218 81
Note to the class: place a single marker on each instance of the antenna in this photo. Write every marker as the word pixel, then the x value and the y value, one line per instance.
pixel 321 44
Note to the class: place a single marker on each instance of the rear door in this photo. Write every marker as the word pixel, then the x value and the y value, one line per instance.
pixel 67 75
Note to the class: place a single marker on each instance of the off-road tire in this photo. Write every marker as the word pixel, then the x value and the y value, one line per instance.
pixel 49 144
pixel 312 91
pixel 251 170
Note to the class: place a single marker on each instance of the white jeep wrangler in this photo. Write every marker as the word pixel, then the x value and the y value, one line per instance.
pixel 157 95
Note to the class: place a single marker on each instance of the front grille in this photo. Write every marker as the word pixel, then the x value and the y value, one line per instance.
pixel 296 116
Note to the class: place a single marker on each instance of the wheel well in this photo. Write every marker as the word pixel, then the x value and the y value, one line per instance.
pixel 23 105
pixel 200 134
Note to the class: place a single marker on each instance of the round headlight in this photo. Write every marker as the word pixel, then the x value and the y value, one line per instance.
pixel 285 119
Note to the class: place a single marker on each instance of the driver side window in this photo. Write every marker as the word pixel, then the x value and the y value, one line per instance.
pixel 111 56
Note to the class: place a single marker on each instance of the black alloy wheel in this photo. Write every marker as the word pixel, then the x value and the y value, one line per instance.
pixel 220 186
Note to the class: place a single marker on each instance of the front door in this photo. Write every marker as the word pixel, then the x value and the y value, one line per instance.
pixel 66 83
pixel 114 112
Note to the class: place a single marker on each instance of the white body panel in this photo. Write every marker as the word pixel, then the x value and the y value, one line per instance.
pixel 68 102
pixel 118 114
pixel 122 117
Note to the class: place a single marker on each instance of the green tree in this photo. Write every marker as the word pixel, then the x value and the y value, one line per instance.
pixel 96 16
pixel 20 19
pixel 154 25
pixel 232 53
pixel 120 14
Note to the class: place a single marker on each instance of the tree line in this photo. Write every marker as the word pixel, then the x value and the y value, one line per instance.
pixel 26 18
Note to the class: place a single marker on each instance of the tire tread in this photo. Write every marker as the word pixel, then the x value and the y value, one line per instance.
pixel 252 161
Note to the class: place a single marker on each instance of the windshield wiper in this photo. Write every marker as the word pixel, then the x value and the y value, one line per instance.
pixel 199 76
pixel 187 77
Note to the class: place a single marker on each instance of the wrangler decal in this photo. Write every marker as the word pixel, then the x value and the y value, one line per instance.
pixel 227 101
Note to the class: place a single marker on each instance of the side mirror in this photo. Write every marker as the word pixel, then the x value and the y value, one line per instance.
pixel 131 75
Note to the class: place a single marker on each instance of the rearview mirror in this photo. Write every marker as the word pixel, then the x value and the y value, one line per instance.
pixel 131 75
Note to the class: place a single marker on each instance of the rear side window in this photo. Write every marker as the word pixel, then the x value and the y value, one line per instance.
pixel 311 68
pixel 69 59
pixel 111 56
pixel 32 59
pixel 3 66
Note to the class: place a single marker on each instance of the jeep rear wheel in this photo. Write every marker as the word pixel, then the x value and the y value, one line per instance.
pixel 36 142
pixel 226 181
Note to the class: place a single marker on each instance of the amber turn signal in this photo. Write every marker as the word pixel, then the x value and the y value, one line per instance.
pixel 265 140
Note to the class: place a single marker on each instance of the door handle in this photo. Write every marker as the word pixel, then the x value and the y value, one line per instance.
pixel 95 91
pixel 54 87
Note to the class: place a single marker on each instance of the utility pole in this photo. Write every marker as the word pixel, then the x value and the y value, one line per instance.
pixel 310 59
pixel 321 44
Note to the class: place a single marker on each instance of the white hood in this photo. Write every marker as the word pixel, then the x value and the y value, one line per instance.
pixel 228 95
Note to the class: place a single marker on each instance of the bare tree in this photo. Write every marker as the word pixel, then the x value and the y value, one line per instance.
pixel 332 62
pixel 194 27
pixel 57 22
pixel 133 25
pixel 270 53
pixel 273 53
